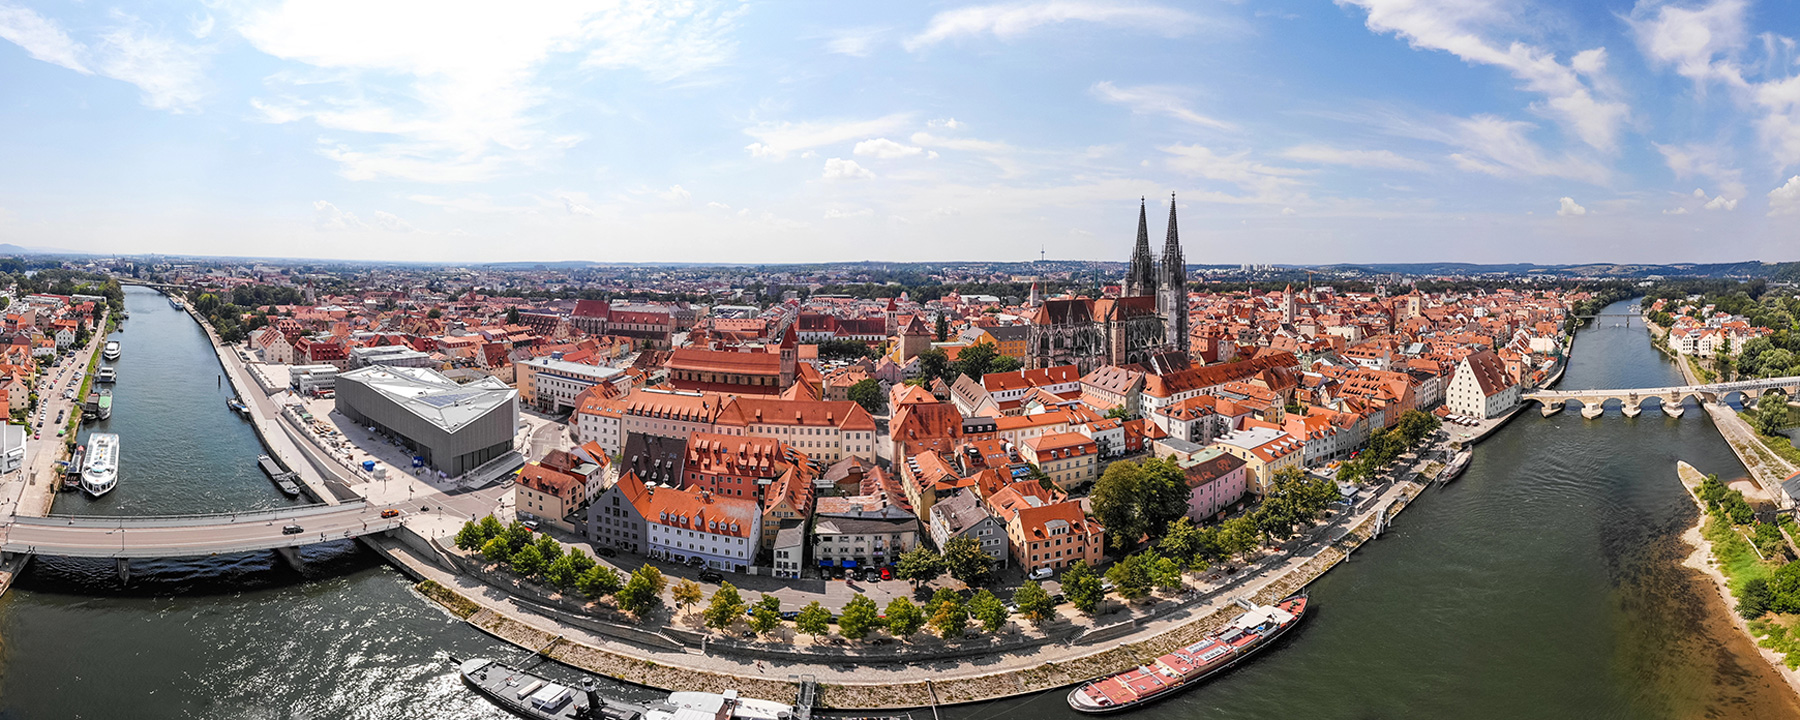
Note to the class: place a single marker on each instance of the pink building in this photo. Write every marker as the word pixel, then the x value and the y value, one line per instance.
pixel 1215 480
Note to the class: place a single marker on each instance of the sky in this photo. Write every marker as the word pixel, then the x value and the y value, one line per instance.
pixel 1288 131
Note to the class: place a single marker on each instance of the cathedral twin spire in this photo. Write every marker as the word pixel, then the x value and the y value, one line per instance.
pixel 1146 275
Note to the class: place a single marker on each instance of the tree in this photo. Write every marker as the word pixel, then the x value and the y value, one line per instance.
pixel 643 592
pixel 1005 364
pixel 950 620
pixel 599 581
pixel 989 610
pixel 1034 603
pixel 860 615
pixel 686 594
pixel 934 364
pixel 1165 574
pixel 495 550
pixel 967 562
pixel 1182 542
pixel 472 536
pixel 1164 492
pixel 867 393
pixel 920 565
pixel 1131 576
pixel 562 573
pixel 976 360
pixel 943 327
pixel 904 618
pixel 1771 414
pixel 813 620
pixel 1115 503
pixel 726 607
pixel 549 548
pixel 1082 587
pixel 765 615
pixel 1239 536
pixel 512 316
pixel 527 561
pixel 1754 599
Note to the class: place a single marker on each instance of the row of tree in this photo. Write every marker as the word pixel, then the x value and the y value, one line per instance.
pixel 974 361
pixel 1389 443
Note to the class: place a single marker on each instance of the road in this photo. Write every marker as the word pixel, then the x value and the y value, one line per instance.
pixel 32 490
pixel 88 538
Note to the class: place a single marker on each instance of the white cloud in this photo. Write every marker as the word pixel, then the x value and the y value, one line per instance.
pixel 453 92
pixel 167 72
pixel 328 218
pixel 1702 161
pixel 1676 211
pixel 1699 193
pixel 1720 203
pixel 1699 42
pixel 201 27
pixel 835 213
pixel 1262 183
pixel 392 223
pixel 989 147
pixel 1327 155
pixel 855 42
pixel 1011 20
pixel 1570 208
pixel 841 169
pixel 41 38
pixel 776 140
pixel 886 149
pixel 1455 27
pixel 676 193
pixel 1785 200
pixel 1289 211
pixel 1501 147
pixel 1148 100
pixel 946 123
pixel 576 206
pixel 170 74
pixel 1780 125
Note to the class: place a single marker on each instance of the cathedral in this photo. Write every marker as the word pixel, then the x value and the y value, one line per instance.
pixel 1148 320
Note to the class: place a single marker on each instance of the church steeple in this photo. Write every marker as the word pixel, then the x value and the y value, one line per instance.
pixel 1174 266
pixel 1140 280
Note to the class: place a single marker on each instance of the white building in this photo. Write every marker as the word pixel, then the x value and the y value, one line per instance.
pixel 1481 387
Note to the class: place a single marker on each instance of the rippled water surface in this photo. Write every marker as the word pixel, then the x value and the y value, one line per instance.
pixel 1542 584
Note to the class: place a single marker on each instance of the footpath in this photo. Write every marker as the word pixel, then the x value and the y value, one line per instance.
pixel 1128 638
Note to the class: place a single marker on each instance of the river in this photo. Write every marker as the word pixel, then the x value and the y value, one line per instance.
pixel 1544 583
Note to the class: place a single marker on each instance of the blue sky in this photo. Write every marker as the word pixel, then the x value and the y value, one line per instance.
pixel 1290 131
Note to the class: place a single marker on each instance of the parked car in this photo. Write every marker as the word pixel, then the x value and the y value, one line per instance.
pixel 530 524
pixel 604 551
pixel 887 573
pixel 1042 573
pixel 291 529
pixel 710 576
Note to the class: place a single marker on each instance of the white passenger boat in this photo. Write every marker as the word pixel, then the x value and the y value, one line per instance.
pixel 112 350
pixel 102 471
pixel 106 374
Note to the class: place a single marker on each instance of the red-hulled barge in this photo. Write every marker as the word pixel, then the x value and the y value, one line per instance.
pixel 1254 630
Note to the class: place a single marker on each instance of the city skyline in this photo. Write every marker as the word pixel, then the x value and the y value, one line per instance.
pixel 1301 133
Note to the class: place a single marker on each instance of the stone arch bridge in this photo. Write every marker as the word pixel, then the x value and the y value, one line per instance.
pixel 1671 399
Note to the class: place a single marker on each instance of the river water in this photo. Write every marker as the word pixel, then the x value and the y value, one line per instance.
pixel 1544 583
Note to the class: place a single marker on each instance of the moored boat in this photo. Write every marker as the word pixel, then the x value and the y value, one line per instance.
pixel 1254 630
pixel 535 696
pixel 106 374
pixel 112 350
pixel 1457 465
pixel 101 472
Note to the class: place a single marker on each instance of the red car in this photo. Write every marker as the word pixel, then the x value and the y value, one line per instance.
pixel 887 573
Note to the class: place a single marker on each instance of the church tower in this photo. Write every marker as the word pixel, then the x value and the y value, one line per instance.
pixel 1171 299
pixel 1140 280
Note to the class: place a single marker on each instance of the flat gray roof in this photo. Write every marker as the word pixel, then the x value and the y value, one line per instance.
pixel 432 396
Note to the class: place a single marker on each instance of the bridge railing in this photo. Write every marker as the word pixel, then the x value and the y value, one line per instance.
pixel 220 518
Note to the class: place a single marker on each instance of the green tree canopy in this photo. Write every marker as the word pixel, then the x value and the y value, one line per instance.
pixel 1034 603
pixel 813 620
pixel 867 393
pixel 599 581
pixel 989 610
pixel 686 594
pixel 903 617
pixel 527 561
pixel 1082 587
pixel 1131 576
pixel 765 615
pixel 643 592
pixel 967 562
pixel 859 616
pixel 919 565
pixel 726 607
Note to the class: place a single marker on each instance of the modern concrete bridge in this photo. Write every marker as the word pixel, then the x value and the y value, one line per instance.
pixel 1593 402
pixel 172 536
